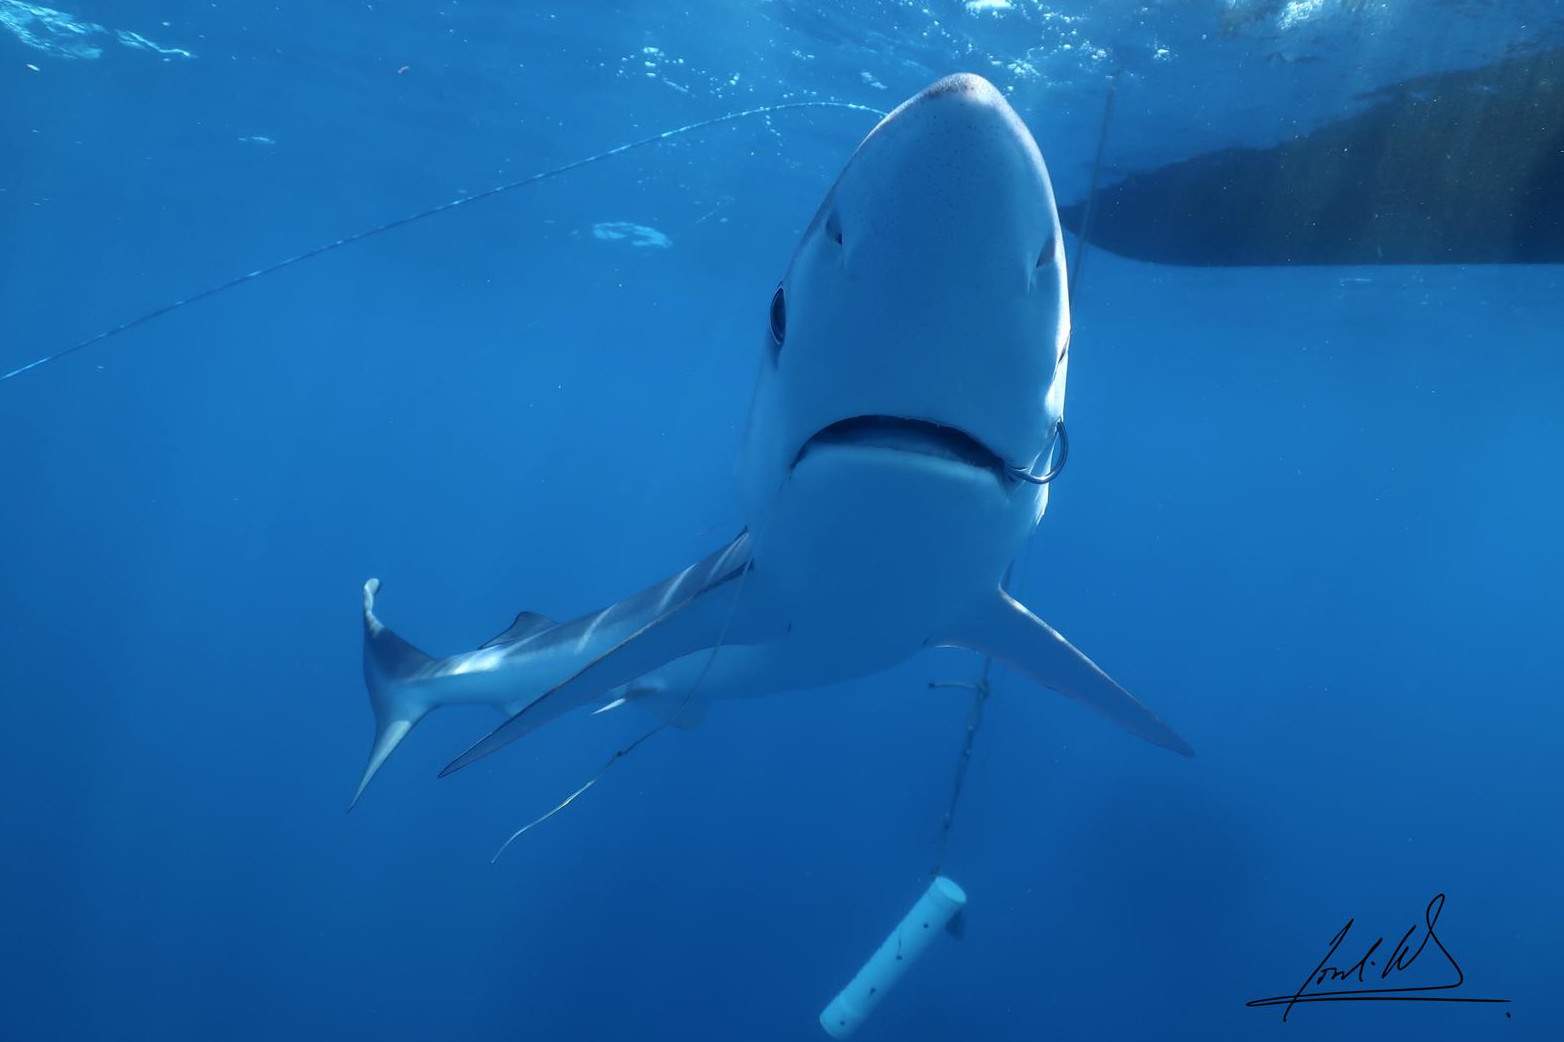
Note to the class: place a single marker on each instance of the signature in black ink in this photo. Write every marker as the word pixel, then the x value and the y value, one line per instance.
pixel 1373 967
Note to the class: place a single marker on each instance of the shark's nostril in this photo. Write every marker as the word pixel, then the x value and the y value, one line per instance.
pixel 833 227
pixel 1049 249
pixel 778 318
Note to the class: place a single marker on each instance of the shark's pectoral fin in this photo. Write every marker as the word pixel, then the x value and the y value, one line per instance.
pixel 1006 630
pixel 390 663
pixel 703 617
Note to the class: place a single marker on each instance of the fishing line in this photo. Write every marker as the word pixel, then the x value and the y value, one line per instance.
pixel 981 688
pixel 1061 436
pixel 402 222
pixel 1091 191
pixel 980 691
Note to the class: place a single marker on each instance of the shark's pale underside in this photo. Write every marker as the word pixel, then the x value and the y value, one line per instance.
pixel 911 392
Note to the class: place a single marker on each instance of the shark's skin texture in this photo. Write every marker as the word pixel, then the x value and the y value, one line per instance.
pixel 914 366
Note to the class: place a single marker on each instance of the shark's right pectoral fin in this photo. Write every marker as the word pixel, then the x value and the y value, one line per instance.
pixel 1004 629
pixel 391 667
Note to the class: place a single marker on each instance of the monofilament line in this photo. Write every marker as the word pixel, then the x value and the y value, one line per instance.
pixel 401 222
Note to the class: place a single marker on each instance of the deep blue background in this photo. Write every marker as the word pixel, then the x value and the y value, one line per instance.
pixel 1311 517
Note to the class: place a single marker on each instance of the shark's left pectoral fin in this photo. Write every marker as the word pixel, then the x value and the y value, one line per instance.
pixel 1004 629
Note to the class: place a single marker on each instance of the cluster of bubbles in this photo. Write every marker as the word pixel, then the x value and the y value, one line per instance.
pixel 60 34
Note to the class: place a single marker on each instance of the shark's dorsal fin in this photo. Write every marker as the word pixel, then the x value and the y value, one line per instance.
pixel 527 624
pixel 1004 629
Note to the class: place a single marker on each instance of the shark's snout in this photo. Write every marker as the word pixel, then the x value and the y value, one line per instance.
pixel 970 200
pixel 959 88
pixel 919 326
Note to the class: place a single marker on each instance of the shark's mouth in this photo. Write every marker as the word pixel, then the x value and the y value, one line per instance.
pixel 922 437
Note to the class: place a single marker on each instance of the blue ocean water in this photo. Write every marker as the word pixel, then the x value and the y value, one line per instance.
pixel 1311 516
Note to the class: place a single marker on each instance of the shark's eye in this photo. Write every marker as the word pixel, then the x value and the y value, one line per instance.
pixel 778 317
pixel 833 228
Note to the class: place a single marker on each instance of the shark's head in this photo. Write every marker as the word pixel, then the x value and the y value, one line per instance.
pixel 923 320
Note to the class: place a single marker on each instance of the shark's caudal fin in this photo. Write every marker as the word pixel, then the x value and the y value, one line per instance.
pixel 390 664
pixel 1006 630
pixel 405 684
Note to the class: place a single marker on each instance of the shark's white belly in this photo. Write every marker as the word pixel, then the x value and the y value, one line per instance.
pixel 868 551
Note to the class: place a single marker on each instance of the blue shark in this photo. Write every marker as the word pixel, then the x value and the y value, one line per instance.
pixel 907 419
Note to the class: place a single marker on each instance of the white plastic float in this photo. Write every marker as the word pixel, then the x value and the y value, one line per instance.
pixel 928 917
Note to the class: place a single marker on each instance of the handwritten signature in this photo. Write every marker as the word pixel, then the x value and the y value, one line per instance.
pixel 1372 966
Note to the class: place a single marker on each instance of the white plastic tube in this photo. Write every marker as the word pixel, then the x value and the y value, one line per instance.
pixel 933 911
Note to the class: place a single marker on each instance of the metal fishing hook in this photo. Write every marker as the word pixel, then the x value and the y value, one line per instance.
pixel 1061 439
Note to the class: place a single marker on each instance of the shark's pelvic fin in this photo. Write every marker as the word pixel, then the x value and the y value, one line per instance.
pixel 695 611
pixel 527 624
pixel 389 664
pixel 1006 630
pixel 683 709
pixel 679 707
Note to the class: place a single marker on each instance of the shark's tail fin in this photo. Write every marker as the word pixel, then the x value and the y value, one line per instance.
pixel 391 665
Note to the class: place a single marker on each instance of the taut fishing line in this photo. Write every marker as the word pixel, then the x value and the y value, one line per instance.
pixel 1091 191
pixel 402 222
pixel 980 687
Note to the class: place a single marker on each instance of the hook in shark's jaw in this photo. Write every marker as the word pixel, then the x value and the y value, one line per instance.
pixel 919 437
pixel 1056 456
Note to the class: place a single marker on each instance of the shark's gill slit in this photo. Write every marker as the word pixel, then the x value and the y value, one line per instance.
pixel 402 222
